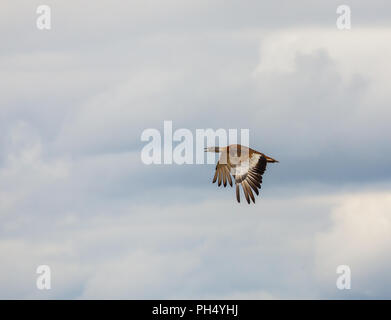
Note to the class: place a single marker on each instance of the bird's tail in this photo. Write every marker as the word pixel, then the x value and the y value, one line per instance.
pixel 270 159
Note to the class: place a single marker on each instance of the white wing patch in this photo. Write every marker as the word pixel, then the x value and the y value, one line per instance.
pixel 244 167
pixel 254 160
pixel 240 170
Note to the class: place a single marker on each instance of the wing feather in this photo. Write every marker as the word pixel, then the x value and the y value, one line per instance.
pixel 248 189
pixel 229 177
pixel 244 186
pixel 222 174
pixel 253 186
pixel 215 177
pixel 249 175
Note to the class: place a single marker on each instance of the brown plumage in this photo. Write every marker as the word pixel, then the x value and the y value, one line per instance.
pixel 246 166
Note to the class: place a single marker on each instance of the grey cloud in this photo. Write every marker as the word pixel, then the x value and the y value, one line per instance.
pixel 74 193
pixel 179 249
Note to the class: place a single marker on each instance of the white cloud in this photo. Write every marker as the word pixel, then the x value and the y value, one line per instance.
pixel 174 251
pixel 355 52
pixel 25 170
pixel 216 249
pixel 360 237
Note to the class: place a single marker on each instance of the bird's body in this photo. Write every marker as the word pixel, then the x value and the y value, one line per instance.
pixel 244 164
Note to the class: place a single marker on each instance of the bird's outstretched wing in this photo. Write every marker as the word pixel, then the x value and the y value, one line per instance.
pixel 222 174
pixel 249 175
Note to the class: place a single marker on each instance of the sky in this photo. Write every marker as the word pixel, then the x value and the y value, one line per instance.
pixel 75 195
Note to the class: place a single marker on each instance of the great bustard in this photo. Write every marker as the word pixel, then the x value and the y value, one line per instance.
pixel 246 166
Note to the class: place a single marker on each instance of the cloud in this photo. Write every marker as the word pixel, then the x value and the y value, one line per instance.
pixel 360 237
pixel 192 251
pixel 75 195
pixel 280 249
pixel 26 170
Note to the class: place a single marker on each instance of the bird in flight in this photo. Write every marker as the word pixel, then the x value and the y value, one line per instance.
pixel 246 166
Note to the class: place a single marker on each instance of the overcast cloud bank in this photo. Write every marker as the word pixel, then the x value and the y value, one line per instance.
pixel 75 195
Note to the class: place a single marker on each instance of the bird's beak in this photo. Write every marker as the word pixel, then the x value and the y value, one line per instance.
pixel 205 149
